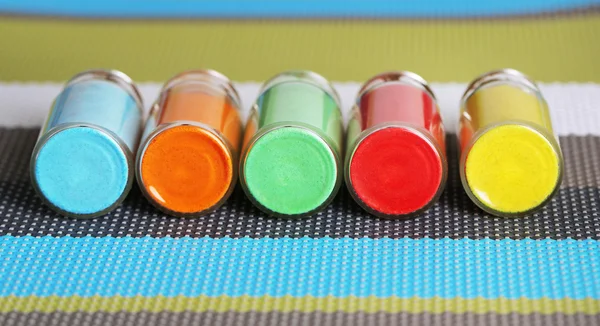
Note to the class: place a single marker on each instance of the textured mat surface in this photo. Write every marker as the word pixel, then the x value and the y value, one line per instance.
pixel 453 265
pixel 573 213
pixel 293 8
pixel 294 319
pixel 551 48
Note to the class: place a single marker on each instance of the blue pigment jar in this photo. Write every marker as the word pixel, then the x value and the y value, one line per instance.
pixel 82 165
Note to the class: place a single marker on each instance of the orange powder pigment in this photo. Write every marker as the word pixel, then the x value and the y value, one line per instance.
pixel 215 110
pixel 189 166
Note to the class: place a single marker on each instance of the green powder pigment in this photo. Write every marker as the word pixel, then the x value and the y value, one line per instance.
pixel 291 167
pixel 291 171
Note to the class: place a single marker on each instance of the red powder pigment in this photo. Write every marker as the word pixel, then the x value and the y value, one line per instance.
pixel 398 168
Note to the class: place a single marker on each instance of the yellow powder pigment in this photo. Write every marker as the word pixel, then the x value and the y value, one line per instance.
pixel 513 163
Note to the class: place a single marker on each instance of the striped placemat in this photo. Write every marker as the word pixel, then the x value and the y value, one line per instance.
pixel 452 265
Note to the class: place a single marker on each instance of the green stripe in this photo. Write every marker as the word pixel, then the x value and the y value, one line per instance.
pixel 562 48
pixel 301 304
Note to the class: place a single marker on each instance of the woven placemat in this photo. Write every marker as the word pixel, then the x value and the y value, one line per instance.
pixel 453 265
pixel 573 213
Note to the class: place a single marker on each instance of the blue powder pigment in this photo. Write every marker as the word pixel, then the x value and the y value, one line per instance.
pixel 102 103
pixel 81 170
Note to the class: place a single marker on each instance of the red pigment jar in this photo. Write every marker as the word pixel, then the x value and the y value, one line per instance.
pixel 396 159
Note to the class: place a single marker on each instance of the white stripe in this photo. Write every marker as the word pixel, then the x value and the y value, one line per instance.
pixel 575 107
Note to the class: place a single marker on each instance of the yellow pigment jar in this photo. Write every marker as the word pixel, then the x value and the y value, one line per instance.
pixel 511 162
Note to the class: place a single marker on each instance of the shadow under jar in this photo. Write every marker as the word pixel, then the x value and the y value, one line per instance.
pixel 396 159
pixel 187 162
pixel 82 165
pixel 511 163
pixel 291 163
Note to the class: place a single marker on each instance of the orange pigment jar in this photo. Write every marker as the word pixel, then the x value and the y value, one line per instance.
pixel 186 165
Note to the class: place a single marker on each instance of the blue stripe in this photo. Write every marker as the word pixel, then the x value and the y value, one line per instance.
pixel 290 8
pixel 299 267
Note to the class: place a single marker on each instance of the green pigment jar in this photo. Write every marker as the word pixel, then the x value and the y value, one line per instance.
pixel 290 165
